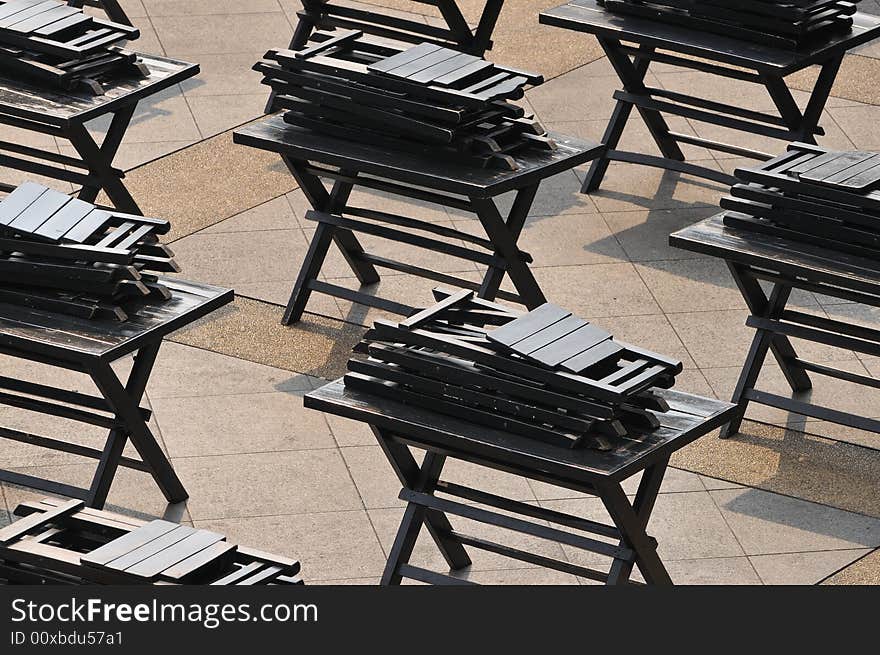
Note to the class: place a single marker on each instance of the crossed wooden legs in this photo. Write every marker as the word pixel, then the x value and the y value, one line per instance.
pixel 634 547
pixel 128 421
pixel 502 234
pixel 764 341
pixel 791 125
pixel 99 161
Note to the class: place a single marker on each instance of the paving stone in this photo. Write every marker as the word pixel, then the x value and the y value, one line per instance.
pixel 182 371
pixel 865 571
pixel 267 484
pixel 630 187
pixel 686 525
pixel 276 214
pixel 766 523
pixel 252 330
pixel 712 571
pixel 189 36
pixel 826 392
pixel 329 545
pixel 803 568
pixel 242 423
pixel 597 290
pixel 569 239
pixel 214 114
pixel 644 234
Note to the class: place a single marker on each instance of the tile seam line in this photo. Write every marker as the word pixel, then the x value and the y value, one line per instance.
pixel 848 566
pixel 803 500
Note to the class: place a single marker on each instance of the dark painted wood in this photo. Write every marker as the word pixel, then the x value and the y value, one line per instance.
pixel 722 55
pixel 789 264
pixel 74 545
pixel 400 427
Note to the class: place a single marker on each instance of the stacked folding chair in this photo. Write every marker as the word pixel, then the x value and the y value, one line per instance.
pixel 64 542
pixel 790 24
pixel 827 198
pixel 420 98
pixel 62 46
pixel 61 254
pixel 545 374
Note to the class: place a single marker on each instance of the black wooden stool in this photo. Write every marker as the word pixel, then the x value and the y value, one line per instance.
pixel 90 346
pixel 32 108
pixel 311 156
pixel 729 58
pixel 399 427
pixel 788 265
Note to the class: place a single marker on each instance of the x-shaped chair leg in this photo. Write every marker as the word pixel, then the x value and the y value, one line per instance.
pixel 422 479
pixel 124 402
pixel 763 342
pixel 504 236
pixel 325 201
pixel 632 75
pixel 99 160
pixel 632 520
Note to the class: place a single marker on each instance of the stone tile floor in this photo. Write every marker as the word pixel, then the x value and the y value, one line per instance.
pixel 264 470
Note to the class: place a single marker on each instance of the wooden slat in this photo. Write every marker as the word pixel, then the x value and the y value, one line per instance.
pixel 21 527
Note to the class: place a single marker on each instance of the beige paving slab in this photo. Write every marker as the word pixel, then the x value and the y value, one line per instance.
pixel 630 187
pixel 788 462
pixel 207 183
pixel 241 423
pixel 850 82
pixel 686 525
pixel 713 571
pixel 185 371
pixel 214 114
pixel 329 545
pixel 597 290
pixel 190 36
pixel 275 214
pixel 251 330
pixel 644 234
pixel 766 523
pixel 865 571
pixel 267 484
pixel 803 568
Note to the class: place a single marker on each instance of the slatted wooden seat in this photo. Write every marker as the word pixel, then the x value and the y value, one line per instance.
pixel 69 256
pixel 329 15
pixel 60 542
pixel 636 43
pixel 813 195
pixel 545 374
pixel 29 107
pixel 349 86
pixel 788 24
pixel 57 43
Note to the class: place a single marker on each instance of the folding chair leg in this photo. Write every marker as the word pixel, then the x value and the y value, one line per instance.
pixel 413 518
pixel 407 470
pixel 117 438
pixel 632 74
pixel 335 200
pixel 780 346
pixel 761 344
pixel 123 405
pixel 309 271
pixel 516 220
pixel 631 521
pixel 99 160
pixel 504 238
